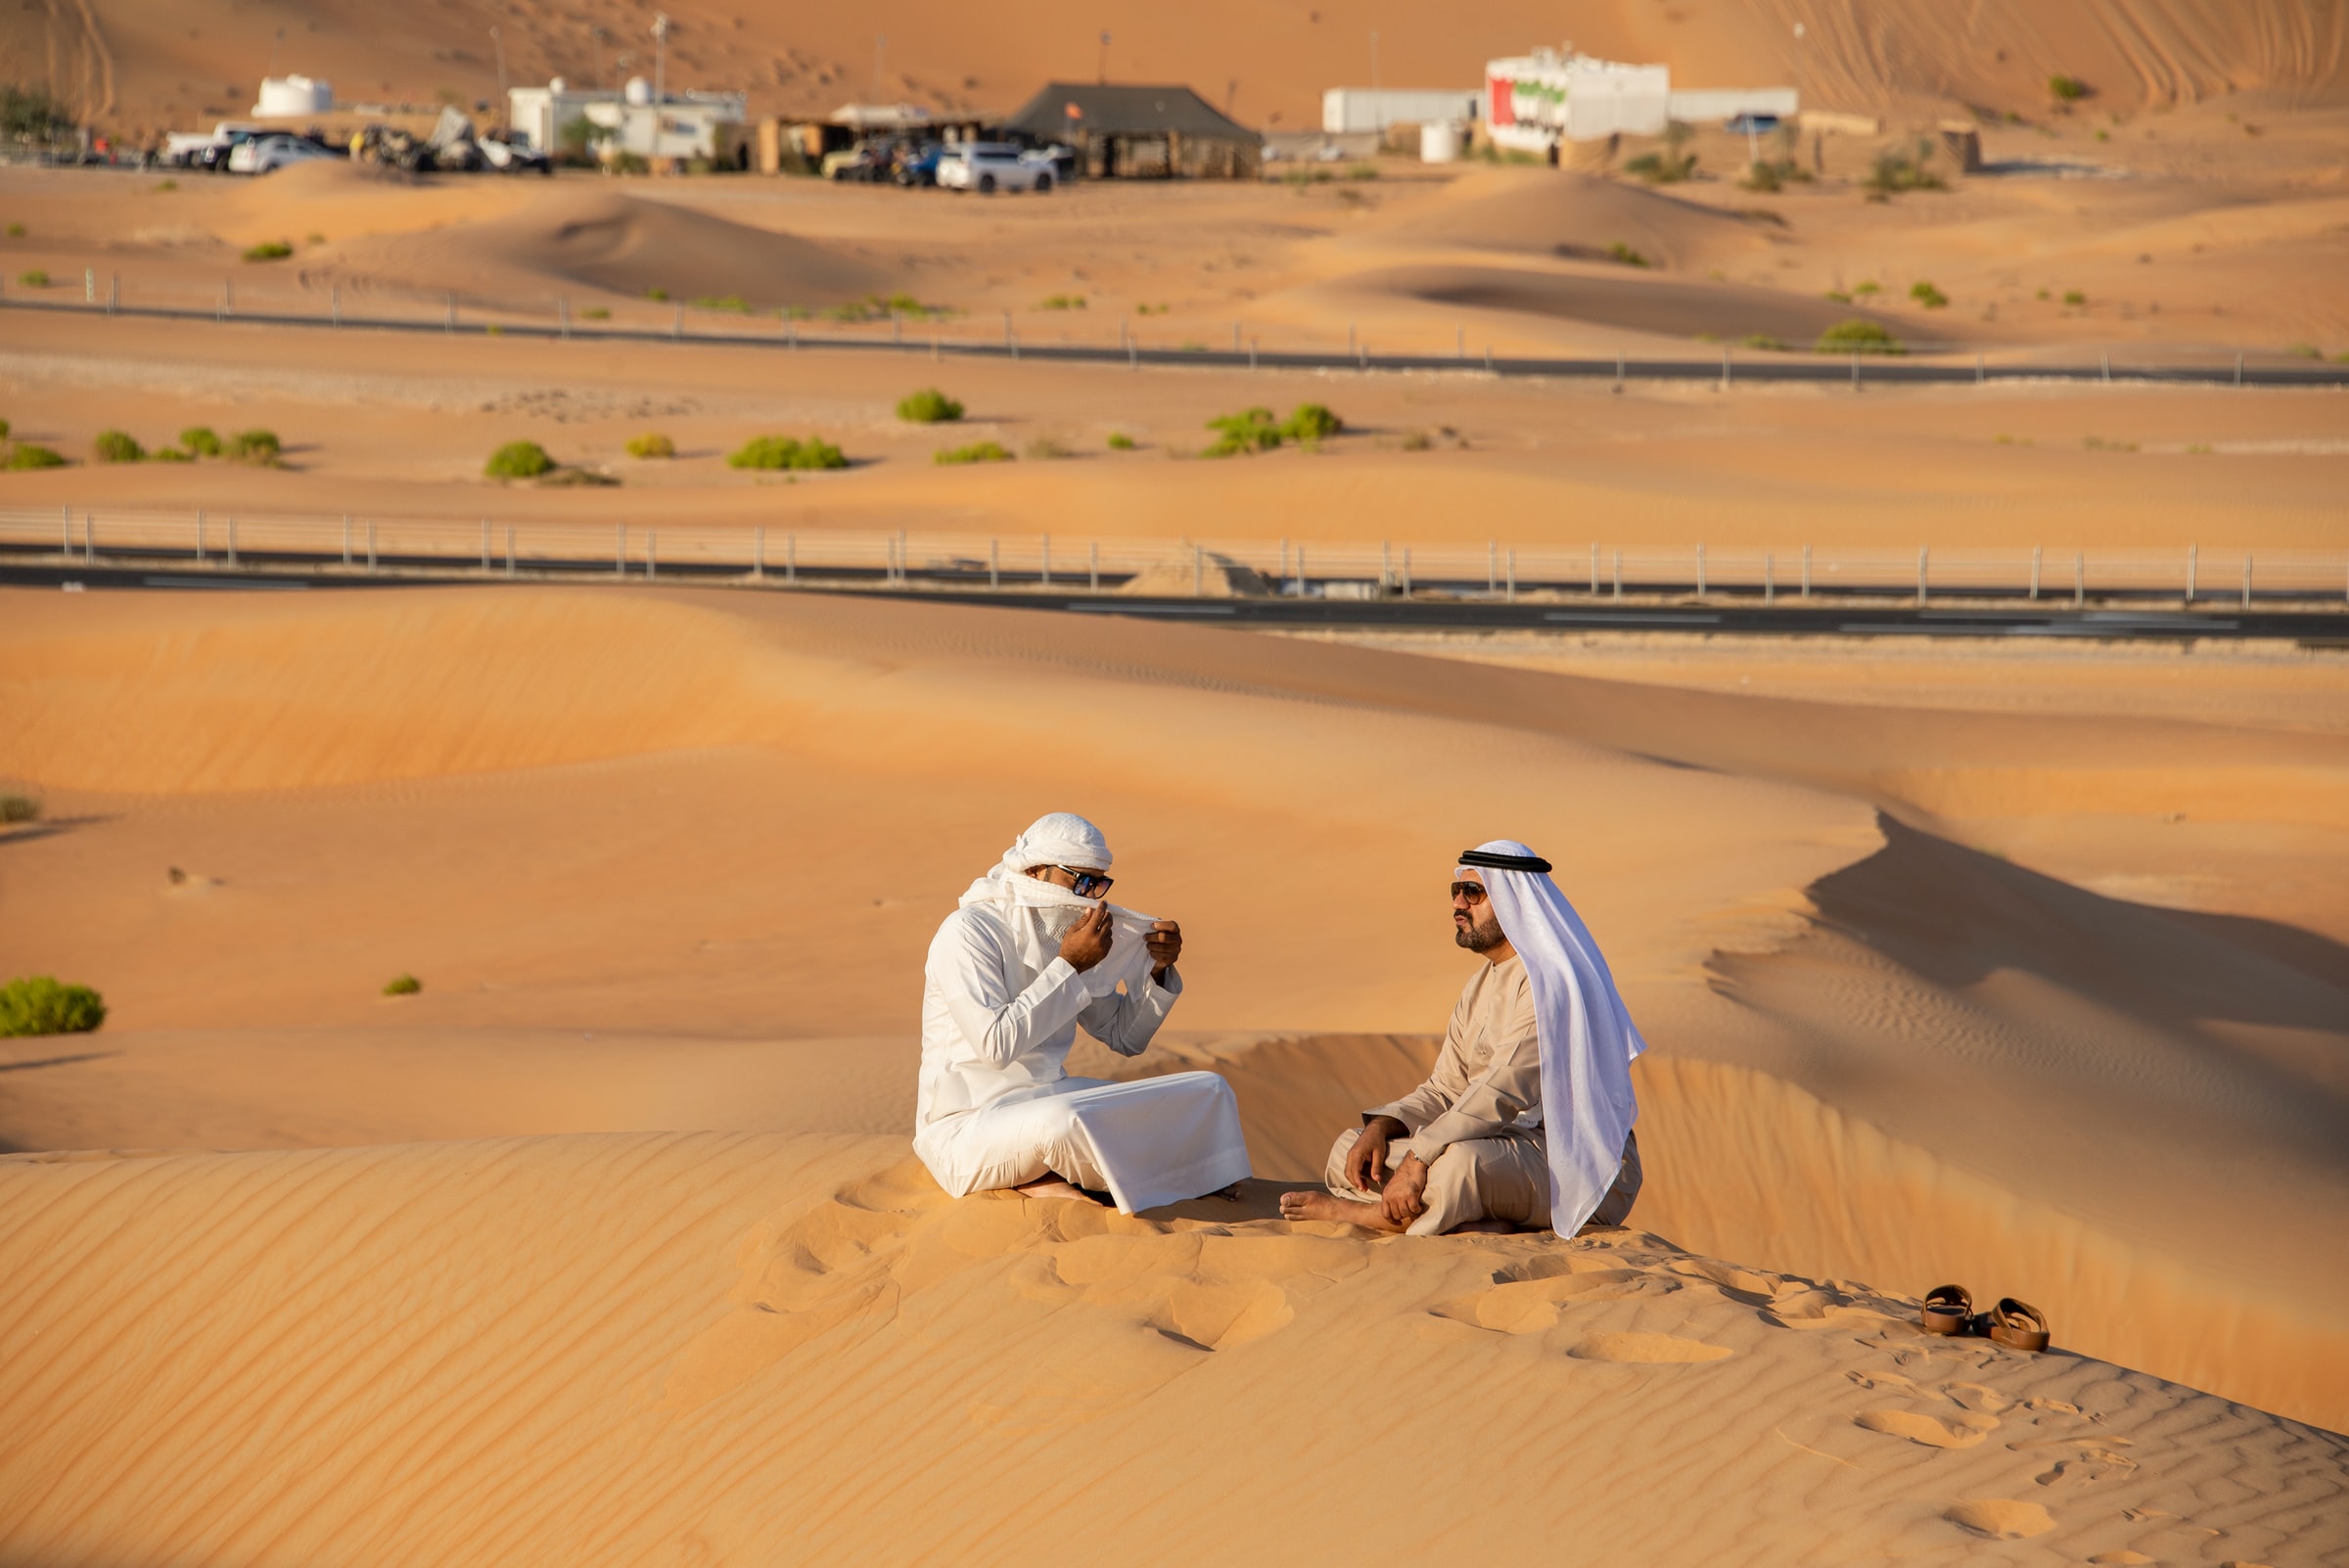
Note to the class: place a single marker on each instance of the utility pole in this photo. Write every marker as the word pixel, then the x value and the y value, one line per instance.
pixel 659 71
pixel 1101 74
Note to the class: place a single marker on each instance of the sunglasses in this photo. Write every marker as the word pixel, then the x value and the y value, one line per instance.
pixel 1473 891
pixel 1087 883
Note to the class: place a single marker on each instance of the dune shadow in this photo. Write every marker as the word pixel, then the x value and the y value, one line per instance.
pixel 56 1061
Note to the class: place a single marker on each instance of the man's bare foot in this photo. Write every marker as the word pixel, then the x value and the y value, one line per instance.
pixel 1050 1186
pixel 1341 1211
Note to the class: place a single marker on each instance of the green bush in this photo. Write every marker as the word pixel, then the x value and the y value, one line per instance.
pixel 36 1004
pixel 268 251
pixel 169 454
pixel 1857 337
pixel 2072 297
pixel 1120 441
pixel 1312 422
pixel 26 455
pixel 652 444
pixel 1251 429
pixel 1899 169
pixel 928 407
pixel 1836 296
pixel 784 451
pixel 975 452
pixel 403 986
pixel 1064 301
pixel 4 428
pixel 33 278
pixel 1924 294
pixel 656 292
pixel 20 808
pixel 1865 287
pixel 197 440
pixel 517 460
pixel 734 302
pixel 117 446
pixel 595 314
pixel 16 231
pixel 1762 340
pixel 1662 168
pixel 259 446
pixel 2066 89
pixel 1048 448
pixel 1623 254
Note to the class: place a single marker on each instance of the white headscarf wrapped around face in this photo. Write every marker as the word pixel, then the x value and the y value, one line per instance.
pixel 1039 912
pixel 1587 1037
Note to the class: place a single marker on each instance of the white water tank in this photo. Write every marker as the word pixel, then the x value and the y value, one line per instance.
pixel 637 91
pixel 293 98
pixel 1440 141
pixel 558 85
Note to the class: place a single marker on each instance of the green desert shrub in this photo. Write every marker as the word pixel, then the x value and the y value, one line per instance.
pixel 1626 255
pixel 517 460
pixel 4 428
pixel 595 314
pixel 928 407
pixel 1857 337
pixel 733 302
pixel 259 446
pixel 117 446
pixel 1924 294
pixel 656 292
pixel 36 1004
pixel 33 278
pixel 1762 340
pixel 2066 89
pixel 786 452
pixel 1903 168
pixel 1120 441
pixel 170 454
pixel 652 444
pixel 20 808
pixel 1063 301
pixel 268 251
pixel 1048 448
pixel 975 452
pixel 403 986
pixel 198 441
pixel 25 454
pixel 2073 296
pixel 1251 429
pixel 1312 422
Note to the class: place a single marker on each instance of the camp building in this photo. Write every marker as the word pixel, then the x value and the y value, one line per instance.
pixel 1139 132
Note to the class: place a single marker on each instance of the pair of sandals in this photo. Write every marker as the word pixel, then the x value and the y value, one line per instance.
pixel 2015 1324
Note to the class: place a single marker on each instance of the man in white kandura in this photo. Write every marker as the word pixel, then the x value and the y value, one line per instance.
pixel 1526 1119
pixel 1033 951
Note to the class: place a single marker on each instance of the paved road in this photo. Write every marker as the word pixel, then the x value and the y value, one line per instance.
pixel 1856 371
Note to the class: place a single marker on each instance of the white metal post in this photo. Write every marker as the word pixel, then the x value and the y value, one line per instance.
pixel 1093 568
pixel 791 559
pixel 2079 578
pixel 620 549
pixel 232 542
pixel 1770 578
pixel 199 536
pixel 1923 553
pixel 652 563
pixel 1806 571
pixel 758 554
pixel 1700 571
pixel 347 538
pixel 371 547
pixel 509 551
pixel 333 294
pixel 995 563
pixel 2035 551
pixel 1618 574
pixel 2191 562
pixel 1048 557
pixel 485 544
pixel 1407 570
pixel 2246 579
pixel 1512 573
pixel 452 312
pixel 1198 571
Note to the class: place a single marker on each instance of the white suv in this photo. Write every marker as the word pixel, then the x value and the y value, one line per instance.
pixel 990 166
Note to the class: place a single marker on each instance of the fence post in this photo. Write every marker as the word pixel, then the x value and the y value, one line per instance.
pixel 758 554
pixel 1700 571
pixel 2079 578
pixel 485 544
pixel 1855 370
pixel 347 538
pixel 232 543
pixel 89 538
pixel 791 559
pixel 1252 353
pixel 1770 578
pixel 1093 568
pixel 2238 367
pixel 452 312
pixel 199 536
pixel 2034 549
pixel 89 285
pixel 994 563
pixel 334 296
pixel 1806 571
pixel 1593 570
pixel 371 548
pixel 901 557
pixel 1923 553
pixel 1198 571
pixel 2190 551
pixel 114 292
pixel 620 549
pixel 2246 579
pixel 1619 370
pixel 1300 579
pixel 1047 560
pixel 1980 372
pixel 1386 566
pixel 509 551
pixel 896 325
pixel 1724 369
pixel 1491 565
pixel 792 336
pixel 2108 368
pixel 652 563
pixel 677 323
pixel 1619 572
pixel 1407 570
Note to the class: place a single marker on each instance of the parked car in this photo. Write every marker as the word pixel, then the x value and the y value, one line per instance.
pixel 265 155
pixel 512 158
pixel 990 166
pixel 858 164
pixel 1061 161
pixel 207 150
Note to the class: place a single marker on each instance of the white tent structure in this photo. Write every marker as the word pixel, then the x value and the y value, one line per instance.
pixel 1533 102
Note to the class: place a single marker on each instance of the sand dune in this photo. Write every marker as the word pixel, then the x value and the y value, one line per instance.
pixel 623 1347
pixel 1665 309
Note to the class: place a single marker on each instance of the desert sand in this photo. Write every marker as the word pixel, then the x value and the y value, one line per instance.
pixel 2020 965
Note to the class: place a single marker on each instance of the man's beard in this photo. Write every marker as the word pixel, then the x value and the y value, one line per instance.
pixel 1476 938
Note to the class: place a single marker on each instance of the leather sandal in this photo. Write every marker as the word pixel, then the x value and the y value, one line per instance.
pixel 2018 1325
pixel 1946 1310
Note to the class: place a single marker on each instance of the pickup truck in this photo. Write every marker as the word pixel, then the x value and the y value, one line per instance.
pixel 990 166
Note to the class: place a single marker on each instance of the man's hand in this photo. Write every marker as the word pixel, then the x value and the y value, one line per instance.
pixel 1404 1197
pixel 1366 1160
pixel 1088 940
pixel 1164 943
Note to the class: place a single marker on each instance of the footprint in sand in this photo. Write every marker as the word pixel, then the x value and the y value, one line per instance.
pixel 1646 1349
pixel 1931 1431
pixel 2001 1518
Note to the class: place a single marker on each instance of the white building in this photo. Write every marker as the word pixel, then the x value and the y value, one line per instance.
pixel 688 126
pixel 1533 101
pixel 1348 110
pixel 294 98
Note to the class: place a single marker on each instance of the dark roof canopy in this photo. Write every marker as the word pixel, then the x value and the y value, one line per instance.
pixel 1122 111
